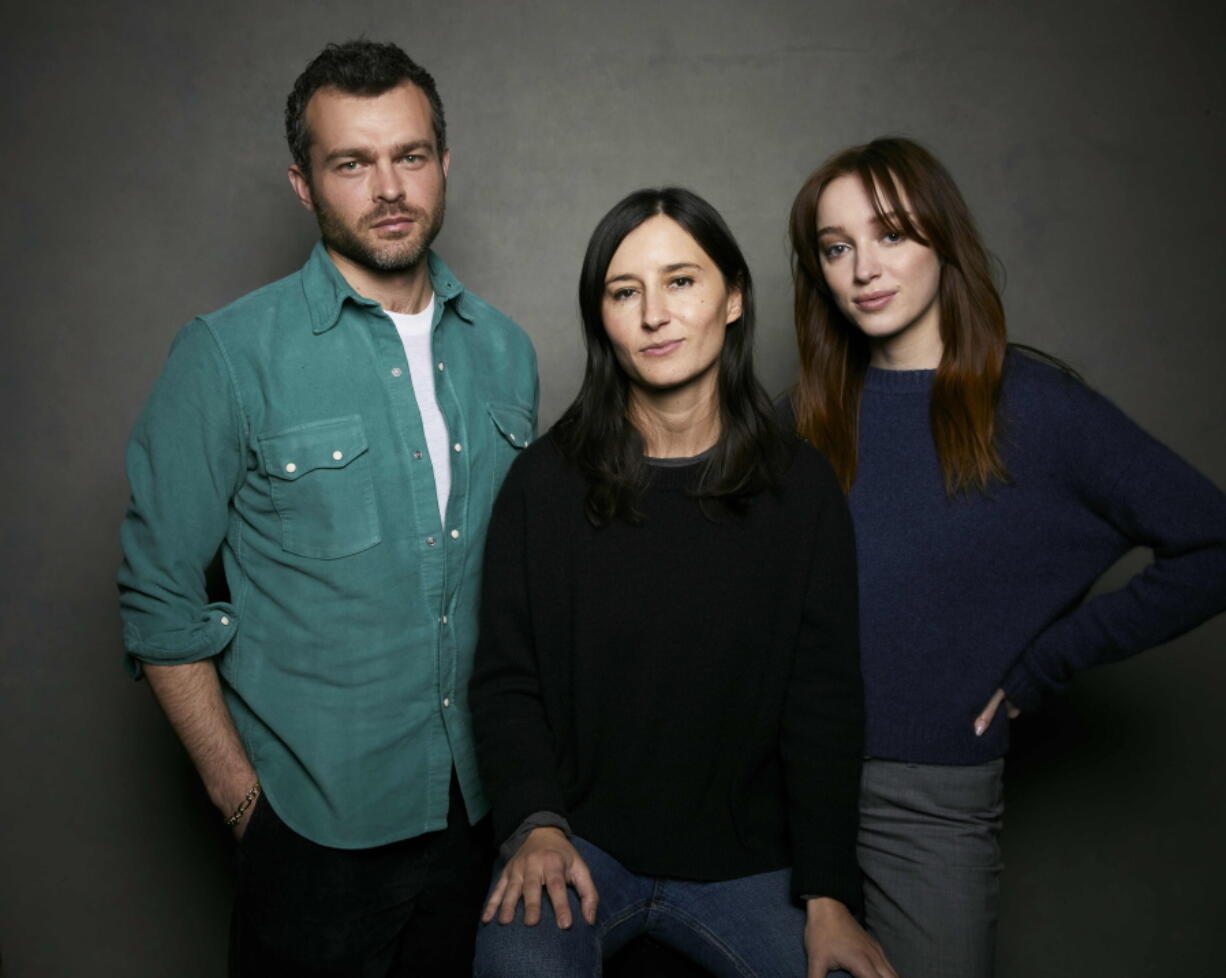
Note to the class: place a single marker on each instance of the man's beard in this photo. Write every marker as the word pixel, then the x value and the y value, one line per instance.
pixel 395 255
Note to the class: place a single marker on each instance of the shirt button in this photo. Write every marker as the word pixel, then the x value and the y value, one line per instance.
pixel 338 455
pixel 455 534
pixel 430 541
pixel 441 365
pixel 417 454
pixel 396 371
pixel 443 620
pixel 446 701
pixel 225 619
pixel 291 468
pixel 457 447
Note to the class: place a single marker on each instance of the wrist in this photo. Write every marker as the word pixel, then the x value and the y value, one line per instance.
pixel 544 832
pixel 227 791
pixel 821 908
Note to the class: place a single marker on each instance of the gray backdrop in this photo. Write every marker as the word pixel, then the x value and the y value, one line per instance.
pixel 143 182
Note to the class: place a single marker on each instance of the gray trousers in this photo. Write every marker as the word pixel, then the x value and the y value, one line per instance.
pixel 930 852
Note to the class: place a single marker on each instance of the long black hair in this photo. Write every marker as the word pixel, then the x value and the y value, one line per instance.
pixel 596 433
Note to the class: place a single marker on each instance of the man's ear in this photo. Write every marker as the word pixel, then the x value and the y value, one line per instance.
pixel 302 186
pixel 446 162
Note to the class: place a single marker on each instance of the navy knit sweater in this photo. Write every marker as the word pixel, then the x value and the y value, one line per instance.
pixel 960 596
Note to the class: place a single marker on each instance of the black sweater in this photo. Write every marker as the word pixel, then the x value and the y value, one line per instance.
pixel 685 691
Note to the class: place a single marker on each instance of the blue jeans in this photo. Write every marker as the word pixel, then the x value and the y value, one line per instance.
pixel 742 928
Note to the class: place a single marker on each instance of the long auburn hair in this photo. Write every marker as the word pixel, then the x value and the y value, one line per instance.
pixel 913 194
pixel 596 432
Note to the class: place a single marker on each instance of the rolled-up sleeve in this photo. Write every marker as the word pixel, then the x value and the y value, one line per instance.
pixel 184 463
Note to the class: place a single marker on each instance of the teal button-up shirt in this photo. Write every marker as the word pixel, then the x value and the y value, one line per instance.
pixel 284 431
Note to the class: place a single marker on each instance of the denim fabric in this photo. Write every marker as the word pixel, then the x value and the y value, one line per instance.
pixel 739 928
pixel 929 849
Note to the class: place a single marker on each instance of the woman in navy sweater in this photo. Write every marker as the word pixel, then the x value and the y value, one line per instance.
pixel 989 490
pixel 666 694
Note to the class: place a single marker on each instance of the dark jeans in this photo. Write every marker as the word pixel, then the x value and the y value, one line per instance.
pixel 405 909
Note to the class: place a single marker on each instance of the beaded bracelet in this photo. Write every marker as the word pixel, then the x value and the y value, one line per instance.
pixel 244 805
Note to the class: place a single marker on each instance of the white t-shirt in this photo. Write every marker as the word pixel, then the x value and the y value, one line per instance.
pixel 414 329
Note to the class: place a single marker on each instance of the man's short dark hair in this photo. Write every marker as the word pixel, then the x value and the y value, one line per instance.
pixel 356 68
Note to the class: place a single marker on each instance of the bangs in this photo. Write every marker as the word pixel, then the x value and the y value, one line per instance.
pixel 881 185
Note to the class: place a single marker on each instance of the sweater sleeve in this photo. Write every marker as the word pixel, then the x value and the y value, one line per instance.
pixel 513 738
pixel 823 721
pixel 1153 499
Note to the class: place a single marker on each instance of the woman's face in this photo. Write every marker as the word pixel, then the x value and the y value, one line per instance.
pixel 665 309
pixel 884 282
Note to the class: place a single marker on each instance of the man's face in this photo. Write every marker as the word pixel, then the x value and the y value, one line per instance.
pixel 377 180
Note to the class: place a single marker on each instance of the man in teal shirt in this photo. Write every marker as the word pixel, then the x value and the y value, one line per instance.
pixel 338 436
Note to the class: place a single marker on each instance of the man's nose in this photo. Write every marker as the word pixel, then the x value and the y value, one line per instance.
pixel 387 185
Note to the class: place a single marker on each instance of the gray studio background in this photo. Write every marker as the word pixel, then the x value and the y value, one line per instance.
pixel 143 182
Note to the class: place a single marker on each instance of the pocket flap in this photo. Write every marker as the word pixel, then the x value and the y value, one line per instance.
pixel 330 444
pixel 513 422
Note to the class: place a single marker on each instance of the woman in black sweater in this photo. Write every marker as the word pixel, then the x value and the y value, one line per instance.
pixel 667 696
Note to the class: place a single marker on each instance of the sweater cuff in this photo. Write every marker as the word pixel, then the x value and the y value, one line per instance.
pixel 537 820
pixel 843 884
pixel 1022 687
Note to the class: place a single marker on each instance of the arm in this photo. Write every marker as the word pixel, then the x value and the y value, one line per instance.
pixel 512 733
pixel 822 735
pixel 513 736
pixel 1153 499
pixel 184 463
pixel 823 745
pixel 190 695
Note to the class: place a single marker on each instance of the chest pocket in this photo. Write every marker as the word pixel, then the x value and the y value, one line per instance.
pixel 321 486
pixel 512 433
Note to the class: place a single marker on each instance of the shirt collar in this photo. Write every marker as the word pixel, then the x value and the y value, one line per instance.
pixel 327 291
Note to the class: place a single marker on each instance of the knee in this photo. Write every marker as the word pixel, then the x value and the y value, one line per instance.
pixel 543 951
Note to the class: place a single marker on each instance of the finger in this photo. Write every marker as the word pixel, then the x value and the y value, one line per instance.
pixel 877 959
pixel 819 965
pixel 510 899
pixel 989 711
pixel 861 967
pixel 589 899
pixel 1012 710
pixel 556 887
pixel 491 905
pixel 532 899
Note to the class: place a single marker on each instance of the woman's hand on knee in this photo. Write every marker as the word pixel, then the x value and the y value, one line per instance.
pixel 834 940
pixel 545 862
